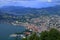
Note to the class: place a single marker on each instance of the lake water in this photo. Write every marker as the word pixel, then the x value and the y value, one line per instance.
pixel 6 30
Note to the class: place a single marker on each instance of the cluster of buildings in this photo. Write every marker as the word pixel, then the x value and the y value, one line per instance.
pixel 41 23
pixel 33 22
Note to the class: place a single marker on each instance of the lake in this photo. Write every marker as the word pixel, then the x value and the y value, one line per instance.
pixel 7 29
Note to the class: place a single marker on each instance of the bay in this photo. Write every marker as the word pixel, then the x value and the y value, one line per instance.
pixel 7 29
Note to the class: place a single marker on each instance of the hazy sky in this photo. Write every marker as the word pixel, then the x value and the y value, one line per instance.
pixel 30 3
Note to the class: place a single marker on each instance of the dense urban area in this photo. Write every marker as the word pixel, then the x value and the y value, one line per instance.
pixel 34 22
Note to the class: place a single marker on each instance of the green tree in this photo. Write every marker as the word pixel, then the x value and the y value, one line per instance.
pixel 53 34
pixel 44 35
pixel 34 36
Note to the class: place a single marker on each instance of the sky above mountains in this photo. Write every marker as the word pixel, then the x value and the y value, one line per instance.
pixel 30 3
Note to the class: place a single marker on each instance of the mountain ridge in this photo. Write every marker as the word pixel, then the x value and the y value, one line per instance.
pixel 24 10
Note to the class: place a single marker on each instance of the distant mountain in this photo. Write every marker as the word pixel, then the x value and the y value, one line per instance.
pixel 24 10
pixel 17 9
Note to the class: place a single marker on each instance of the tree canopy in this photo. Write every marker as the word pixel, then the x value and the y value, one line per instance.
pixel 52 34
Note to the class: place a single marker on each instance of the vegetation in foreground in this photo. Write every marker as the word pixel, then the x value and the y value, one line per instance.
pixel 52 34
